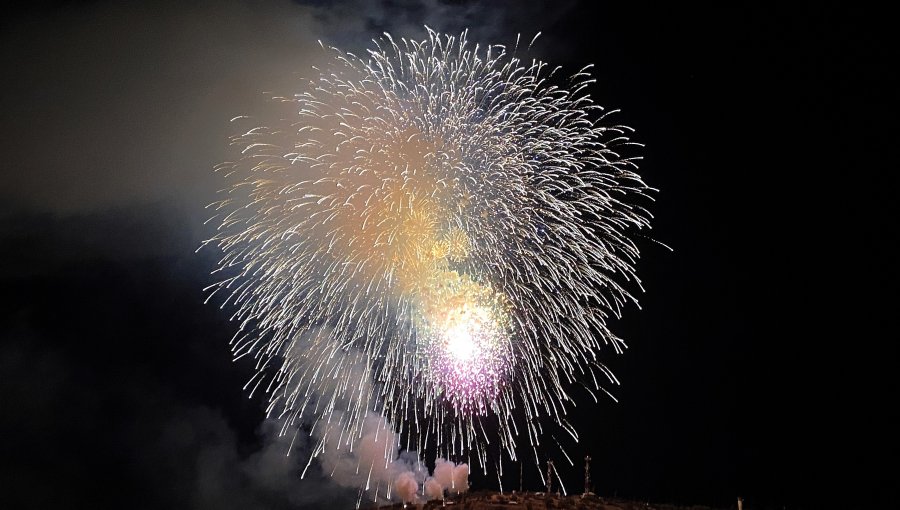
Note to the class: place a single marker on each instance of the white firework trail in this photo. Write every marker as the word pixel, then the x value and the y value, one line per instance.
pixel 436 233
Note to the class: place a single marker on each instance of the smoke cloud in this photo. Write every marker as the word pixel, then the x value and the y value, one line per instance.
pixel 374 464
pixel 365 454
pixel 119 104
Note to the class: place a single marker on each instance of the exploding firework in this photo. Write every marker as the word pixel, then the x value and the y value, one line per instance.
pixel 436 233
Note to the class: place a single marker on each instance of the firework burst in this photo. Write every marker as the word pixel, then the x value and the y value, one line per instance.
pixel 437 233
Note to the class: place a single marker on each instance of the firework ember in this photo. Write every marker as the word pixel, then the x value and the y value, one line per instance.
pixel 436 233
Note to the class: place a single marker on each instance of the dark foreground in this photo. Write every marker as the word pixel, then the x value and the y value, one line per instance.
pixel 486 500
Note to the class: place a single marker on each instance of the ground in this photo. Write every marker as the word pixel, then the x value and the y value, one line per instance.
pixel 487 500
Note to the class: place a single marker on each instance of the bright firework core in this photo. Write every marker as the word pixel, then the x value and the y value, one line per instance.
pixel 460 344
pixel 461 337
pixel 468 354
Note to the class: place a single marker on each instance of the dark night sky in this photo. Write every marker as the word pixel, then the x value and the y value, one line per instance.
pixel 762 363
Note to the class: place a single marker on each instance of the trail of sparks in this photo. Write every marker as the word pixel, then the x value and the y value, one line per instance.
pixel 436 233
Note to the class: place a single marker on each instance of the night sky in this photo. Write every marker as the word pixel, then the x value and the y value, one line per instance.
pixel 762 363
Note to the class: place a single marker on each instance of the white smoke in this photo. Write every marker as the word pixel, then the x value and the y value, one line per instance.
pixel 363 454
pixel 433 489
pixel 372 462
pixel 406 487
pixel 450 476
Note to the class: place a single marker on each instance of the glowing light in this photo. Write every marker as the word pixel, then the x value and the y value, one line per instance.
pixel 459 342
pixel 468 355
